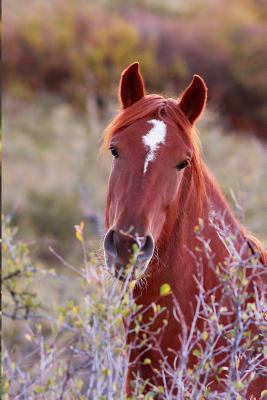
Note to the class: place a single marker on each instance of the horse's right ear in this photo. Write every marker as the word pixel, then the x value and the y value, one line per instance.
pixel 131 87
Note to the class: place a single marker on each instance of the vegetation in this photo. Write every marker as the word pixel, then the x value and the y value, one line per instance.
pixel 78 349
pixel 79 51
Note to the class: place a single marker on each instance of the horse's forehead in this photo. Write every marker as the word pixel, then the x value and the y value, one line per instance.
pixel 154 129
pixel 151 134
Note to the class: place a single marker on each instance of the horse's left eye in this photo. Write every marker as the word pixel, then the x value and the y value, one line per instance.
pixel 182 165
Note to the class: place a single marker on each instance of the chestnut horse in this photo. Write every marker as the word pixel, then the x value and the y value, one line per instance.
pixel 159 187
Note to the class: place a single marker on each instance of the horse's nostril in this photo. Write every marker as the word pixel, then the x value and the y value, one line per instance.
pixel 148 248
pixel 109 243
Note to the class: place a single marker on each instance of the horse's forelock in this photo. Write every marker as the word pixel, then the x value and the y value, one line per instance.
pixel 142 108
pixel 166 108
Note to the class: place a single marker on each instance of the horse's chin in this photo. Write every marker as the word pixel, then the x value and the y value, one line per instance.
pixel 128 274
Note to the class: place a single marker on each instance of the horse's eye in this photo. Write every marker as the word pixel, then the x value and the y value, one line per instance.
pixel 114 152
pixel 182 165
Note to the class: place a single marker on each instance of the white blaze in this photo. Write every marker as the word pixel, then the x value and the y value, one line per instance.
pixel 152 140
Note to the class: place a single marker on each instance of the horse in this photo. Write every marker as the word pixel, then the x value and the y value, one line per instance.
pixel 159 192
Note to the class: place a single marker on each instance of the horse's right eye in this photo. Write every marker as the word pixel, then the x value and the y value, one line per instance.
pixel 114 152
pixel 182 165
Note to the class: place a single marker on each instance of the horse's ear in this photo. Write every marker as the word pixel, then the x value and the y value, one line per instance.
pixel 193 100
pixel 131 87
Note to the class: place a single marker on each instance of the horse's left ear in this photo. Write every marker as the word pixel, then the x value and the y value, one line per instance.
pixel 194 98
pixel 131 87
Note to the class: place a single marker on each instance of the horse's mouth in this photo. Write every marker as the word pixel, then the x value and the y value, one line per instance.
pixel 128 273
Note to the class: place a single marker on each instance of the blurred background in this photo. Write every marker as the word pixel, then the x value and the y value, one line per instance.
pixel 62 62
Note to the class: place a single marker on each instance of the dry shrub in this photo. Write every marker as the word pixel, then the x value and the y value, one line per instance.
pixel 78 349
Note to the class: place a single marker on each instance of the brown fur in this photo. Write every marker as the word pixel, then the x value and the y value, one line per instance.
pixel 166 206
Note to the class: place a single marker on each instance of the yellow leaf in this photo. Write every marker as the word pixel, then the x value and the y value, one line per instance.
pixel 78 235
pixel 147 361
pixel 125 313
pixel 79 231
pixel 165 289
pixel 38 389
pixel 251 306
pixel 239 385
pixel 132 284
pixel 79 384
pixel 39 328
pixel 6 386
pixel 105 371
pixel 60 319
pixel 154 306
pixel 75 310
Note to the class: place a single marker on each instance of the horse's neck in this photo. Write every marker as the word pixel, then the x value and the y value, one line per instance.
pixel 178 254
pixel 194 226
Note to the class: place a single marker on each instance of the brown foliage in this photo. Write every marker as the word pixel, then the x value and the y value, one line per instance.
pixel 80 50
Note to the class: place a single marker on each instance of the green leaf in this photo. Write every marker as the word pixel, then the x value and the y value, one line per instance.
pixel 239 385
pixel 38 389
pixel 197 353
pixel 150 395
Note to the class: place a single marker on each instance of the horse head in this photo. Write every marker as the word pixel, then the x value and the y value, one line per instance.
pixel 155 160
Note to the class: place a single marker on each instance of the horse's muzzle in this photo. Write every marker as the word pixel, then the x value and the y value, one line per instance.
pixel 127 253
